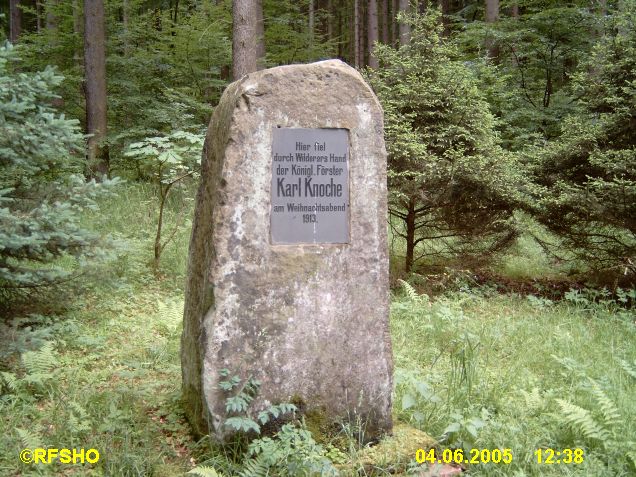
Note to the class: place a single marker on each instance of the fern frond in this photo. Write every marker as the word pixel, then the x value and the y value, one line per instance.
pixel 204 471
pixel 171 311
pixel 40 362
pixel 631 455
pixel 256 467
pixel 534 400
pixel 611 414
pixel 29 439
pixel 410 291
pixel 79 420
pixel 581 420
pixel 236 404
pixel 244 424
pixel 10 381
pixel 630 368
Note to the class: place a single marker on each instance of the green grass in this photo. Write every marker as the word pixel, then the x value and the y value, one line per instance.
pixel 504 361
pixel 116 382
pixel 468 362
pixel 131 220
pixel 525 260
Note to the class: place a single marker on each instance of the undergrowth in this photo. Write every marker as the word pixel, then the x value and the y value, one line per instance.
pixel 487 371
pixel 473 368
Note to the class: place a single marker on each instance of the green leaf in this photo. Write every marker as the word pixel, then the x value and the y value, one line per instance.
pixel 452 427
pixel 408 401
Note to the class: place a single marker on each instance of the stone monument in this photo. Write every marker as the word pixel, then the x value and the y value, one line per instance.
pixel 288 266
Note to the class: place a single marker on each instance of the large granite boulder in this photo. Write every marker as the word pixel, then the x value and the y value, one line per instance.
pixel 288 267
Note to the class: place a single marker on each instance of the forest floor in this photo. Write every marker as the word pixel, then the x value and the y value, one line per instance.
pixel 476 367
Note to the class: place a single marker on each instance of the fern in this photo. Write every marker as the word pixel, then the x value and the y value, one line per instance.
pixel 534 401
pixel 629 368
pixel 292 452
pixel 29 439
pixel 40 362
pixel 236 404
pixel 571 365
pixel 80 422
pixel 171 311
pixel 256 467
pixel 239 404
pixel 610 412
pixel 242 424
pixel 204 471
pixel 603 423
pixel 9 380
pixel 39 365
pixel 581 420
pixel 410 291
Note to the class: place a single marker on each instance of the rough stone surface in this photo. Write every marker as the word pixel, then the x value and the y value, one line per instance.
pixel 310 321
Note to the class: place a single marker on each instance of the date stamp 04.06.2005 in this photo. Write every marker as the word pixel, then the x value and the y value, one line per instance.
pixel 496 456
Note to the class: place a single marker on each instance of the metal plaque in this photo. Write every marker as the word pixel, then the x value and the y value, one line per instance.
pixel 310 186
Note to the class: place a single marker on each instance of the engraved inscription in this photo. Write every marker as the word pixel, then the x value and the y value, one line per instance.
pixel 310 186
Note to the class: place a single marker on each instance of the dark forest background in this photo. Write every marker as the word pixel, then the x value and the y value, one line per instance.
pixel 509 128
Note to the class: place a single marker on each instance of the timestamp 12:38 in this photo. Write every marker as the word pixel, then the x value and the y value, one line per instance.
pixel 563 456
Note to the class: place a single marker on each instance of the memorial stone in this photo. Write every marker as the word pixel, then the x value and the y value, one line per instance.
pixel 288 267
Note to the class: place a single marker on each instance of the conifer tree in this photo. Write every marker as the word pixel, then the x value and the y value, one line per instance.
pixel 588 176
pixel 42 187
pixel 452 188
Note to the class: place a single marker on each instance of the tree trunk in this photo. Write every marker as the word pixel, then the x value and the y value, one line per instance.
pixel 79 32
pixel 260 36
pixel 492 15
pixel 350 32
pixel 51 19
pixel 372 31
pixel 243 37
pixel 444 6
pixel 15 21
pixel 176 12
pixel 492 11
pixel 515 11
pixel 329 20
pixel 384 21
pixel 394 24
pixel 159 227
pixel 404 29
pixel 77 19
pixel 38 15
pixel 410 236
pixel 125 19
pixel 95 77
pixel 311 21
pixel 51 23
pixel 363 33
pixel 340 15
pixel 356 33
pixel 157 24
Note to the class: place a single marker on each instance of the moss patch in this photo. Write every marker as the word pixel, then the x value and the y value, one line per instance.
pixel 393 452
